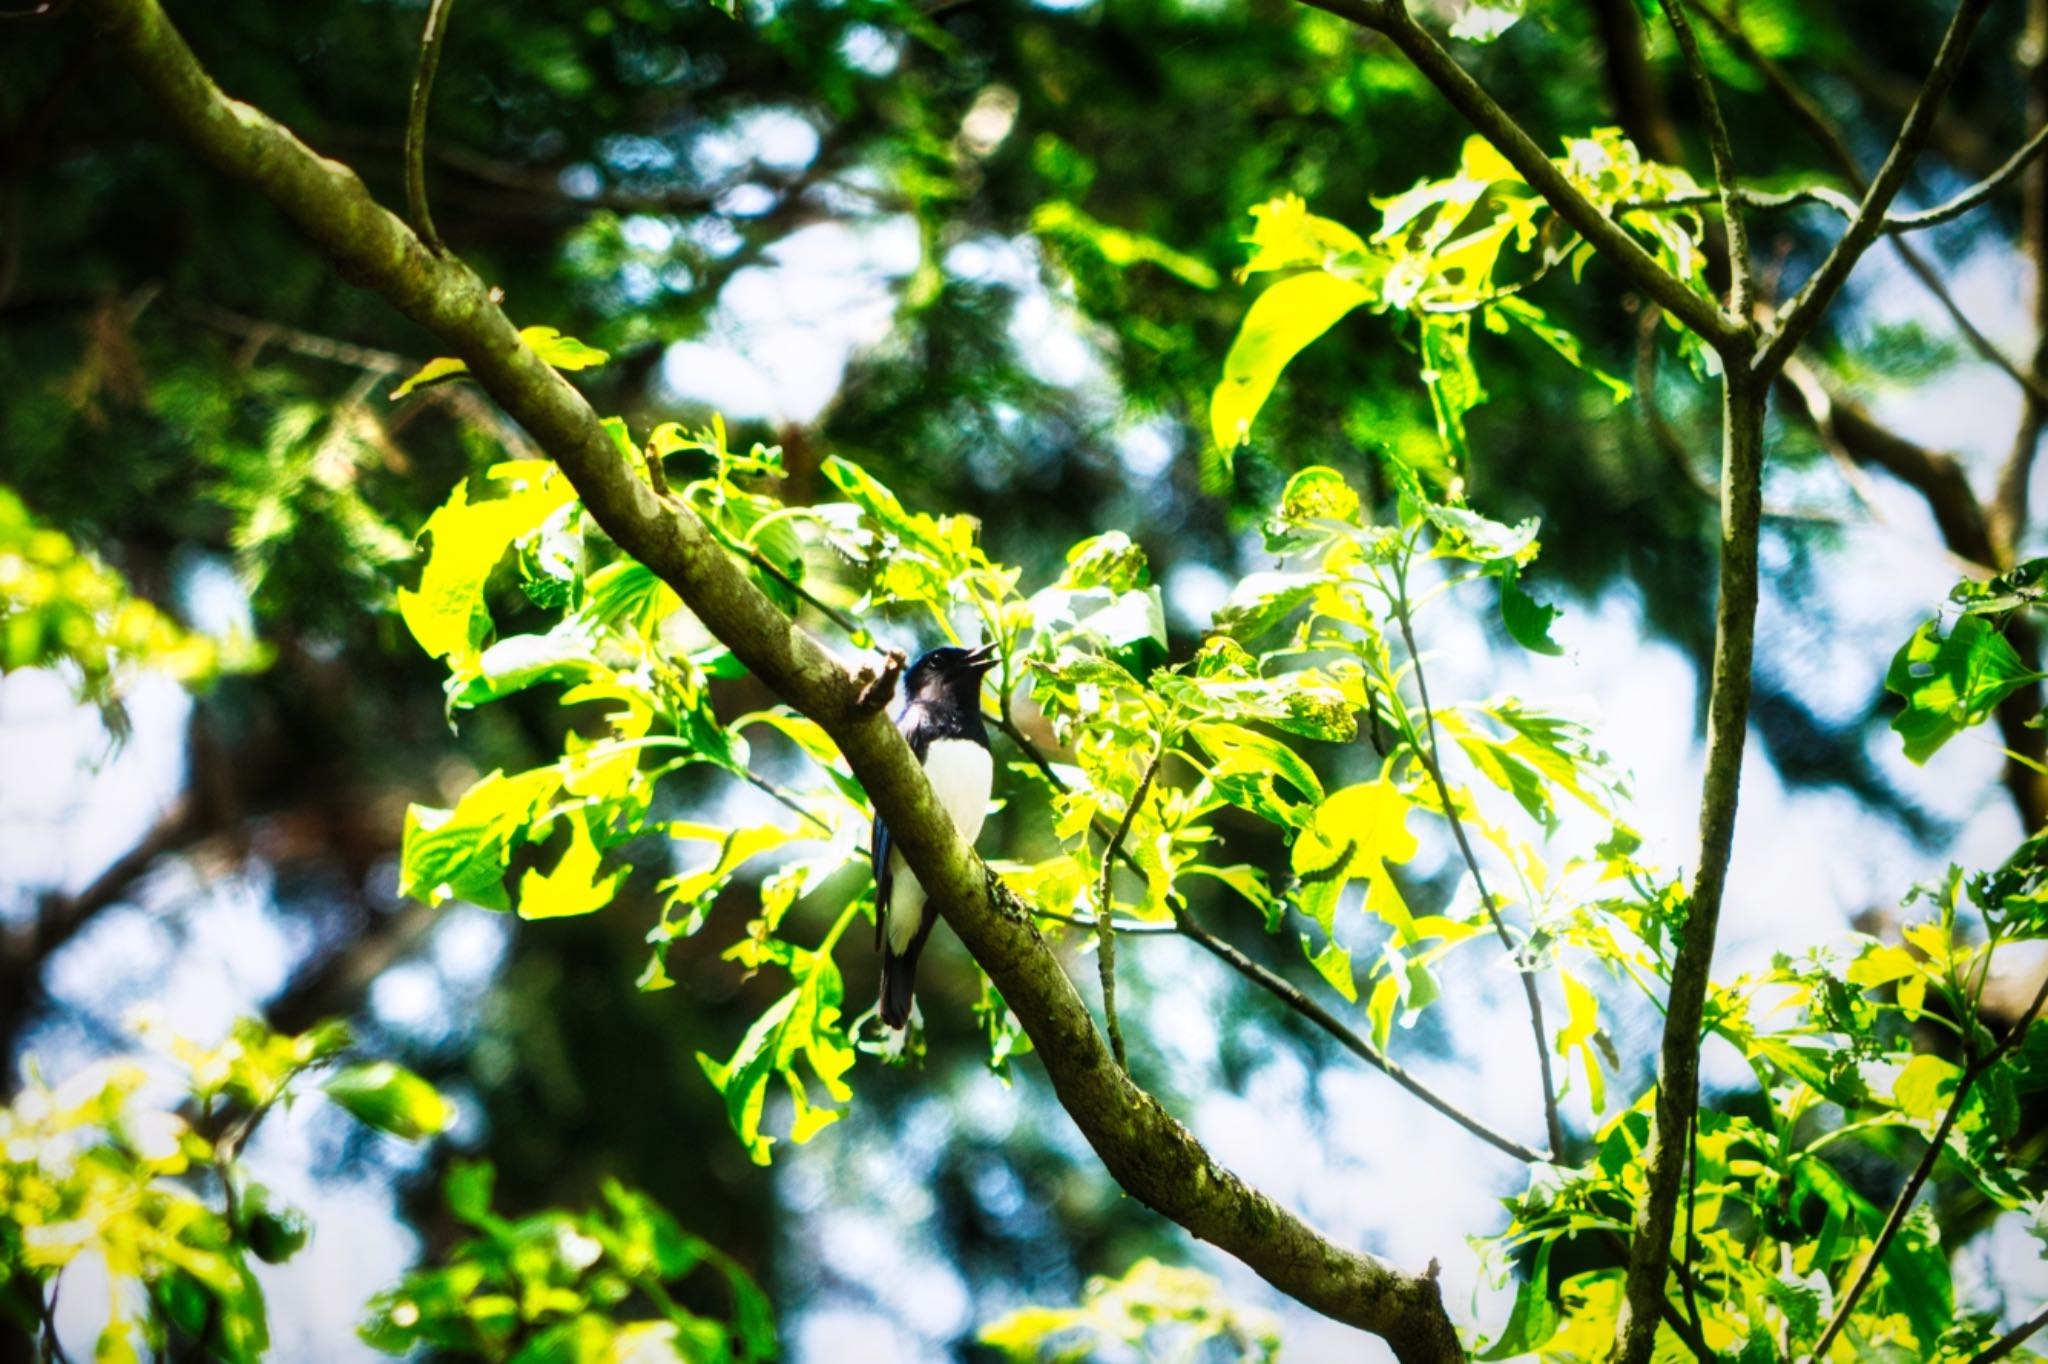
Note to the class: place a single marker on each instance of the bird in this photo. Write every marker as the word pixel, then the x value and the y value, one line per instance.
pixel 941 721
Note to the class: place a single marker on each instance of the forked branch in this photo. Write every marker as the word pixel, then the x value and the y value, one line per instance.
pixel 1151 1155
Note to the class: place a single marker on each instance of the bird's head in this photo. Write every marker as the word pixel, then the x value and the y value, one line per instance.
pixel 950 672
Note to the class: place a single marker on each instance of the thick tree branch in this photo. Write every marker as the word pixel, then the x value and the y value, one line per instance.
pixel 1151 1155
pixel 1392 19
pixel 1742 445
pixel 1799 317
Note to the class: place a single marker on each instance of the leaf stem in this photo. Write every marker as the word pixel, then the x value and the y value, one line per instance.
pixel 1105 934
pixel 1430 756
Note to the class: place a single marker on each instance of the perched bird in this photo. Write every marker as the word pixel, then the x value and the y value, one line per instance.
pixel 941 721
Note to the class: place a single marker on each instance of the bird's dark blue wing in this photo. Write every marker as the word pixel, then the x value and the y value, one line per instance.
pixel 879 846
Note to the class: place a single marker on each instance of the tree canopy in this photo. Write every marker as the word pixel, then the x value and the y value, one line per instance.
pixel 537 435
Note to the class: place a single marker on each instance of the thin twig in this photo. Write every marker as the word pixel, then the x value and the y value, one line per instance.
pixel 416 124
pixel 1831 139
pixel 1894 223
pixel 1105 935
pixel 1741 276
pixel 1903 1204
pixel 1391 19
pixel 787 801
pixel 1692 1243
pixel 1431 762
pixel 1287 993
pixel 53 1348
pixel 2011 1340
pixel 1973 196
pixel 1281 988
pixel 1799 317
pixel 1130 928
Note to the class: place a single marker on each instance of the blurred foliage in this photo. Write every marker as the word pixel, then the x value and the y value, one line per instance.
pixel 1170 1313
pixel 557 1286
pixel 100 1167
pixel 62 608
pixel 103 1166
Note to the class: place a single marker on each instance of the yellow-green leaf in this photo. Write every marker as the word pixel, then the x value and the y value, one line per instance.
pixel 1285 318
pixel 574 886
pixel 563 352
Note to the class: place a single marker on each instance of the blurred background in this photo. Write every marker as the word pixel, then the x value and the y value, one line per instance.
pixel 984 247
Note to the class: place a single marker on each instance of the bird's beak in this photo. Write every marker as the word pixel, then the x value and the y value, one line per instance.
pixel 982 659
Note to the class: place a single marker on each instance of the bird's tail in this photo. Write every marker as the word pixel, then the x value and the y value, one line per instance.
pixel 898 975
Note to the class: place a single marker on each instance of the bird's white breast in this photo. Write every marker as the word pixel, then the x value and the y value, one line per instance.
pixel 962 774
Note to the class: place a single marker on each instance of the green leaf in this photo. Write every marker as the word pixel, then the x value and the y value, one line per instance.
pixel 563 352
pixel 1453 383
pixel 1263 600
pixel 1951 683
pixel 574 886
pixel 1061 220
pixel 1250 883
pixel 446 612
pixel 1559 340
pixel 1353 835
pixel 801 1026
pixel 1924 1087
pixel 1528 621
pixel 1333 963
pixel 465 852
pixel 1280 323
pixel 1245 764
pixel 391 1099
pixel 1582 1027
pixel 1534 1317
pixel 1286 236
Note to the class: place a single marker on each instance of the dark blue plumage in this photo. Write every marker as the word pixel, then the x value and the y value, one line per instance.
pixel 941 721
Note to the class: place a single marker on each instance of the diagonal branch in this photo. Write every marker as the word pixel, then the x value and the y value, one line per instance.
pixel 1150 1154
pixel 1105 908
pixel 1432 762
pixel 1936 1144
pixel 1286 992
pixel 1273 982
pixel 2003 1347
pixel 1803 312
pixel 1947 211
pixel 1392 19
